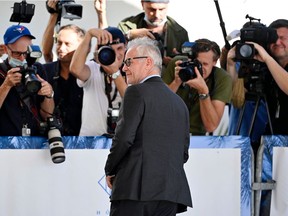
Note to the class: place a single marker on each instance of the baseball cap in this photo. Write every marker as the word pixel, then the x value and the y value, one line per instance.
pixel 156 1
pixel 116 34
pixel 14 32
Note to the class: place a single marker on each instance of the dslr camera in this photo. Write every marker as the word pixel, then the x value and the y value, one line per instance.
pixel 53 126
pixel 258 33
pixel 113 114
pixel 29 71
pixel 187 72
pixel 68 9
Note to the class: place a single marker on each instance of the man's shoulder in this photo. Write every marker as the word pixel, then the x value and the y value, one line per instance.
pixel 132 22
pixel 220 72
pixel 173 24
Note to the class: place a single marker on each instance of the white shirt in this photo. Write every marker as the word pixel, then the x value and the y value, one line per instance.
pixel 95 102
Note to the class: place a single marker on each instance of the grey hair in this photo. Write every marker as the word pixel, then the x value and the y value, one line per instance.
pixel 145 46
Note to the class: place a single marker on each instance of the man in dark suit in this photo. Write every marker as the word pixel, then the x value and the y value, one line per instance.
pixel 145 166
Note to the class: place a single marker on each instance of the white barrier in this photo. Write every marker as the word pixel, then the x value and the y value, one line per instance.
pixel 31 185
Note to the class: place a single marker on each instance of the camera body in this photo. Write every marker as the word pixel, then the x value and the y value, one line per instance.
pixel 259 34
pixel 29 78
pixel 187 72
pixel 69 9
pixel 53 126
pixel 113 114
pixel 29 71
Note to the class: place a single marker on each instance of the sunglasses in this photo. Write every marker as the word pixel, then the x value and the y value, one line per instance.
pixel 129 61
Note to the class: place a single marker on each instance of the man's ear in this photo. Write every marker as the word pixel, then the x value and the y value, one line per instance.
pixel 3 49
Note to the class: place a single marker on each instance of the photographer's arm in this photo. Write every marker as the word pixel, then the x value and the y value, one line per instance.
pixel 12 79
pixel 211 113
pixel 211 110
pixel 47 105
pixel 100 7
pixel 279 74
pixel 231 65
pixel 48 40
pixel 78 67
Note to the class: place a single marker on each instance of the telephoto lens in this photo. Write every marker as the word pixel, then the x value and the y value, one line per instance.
pixel 106 55
pixel 56 146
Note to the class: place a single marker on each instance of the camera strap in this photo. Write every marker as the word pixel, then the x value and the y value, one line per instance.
pixel 108 88
pixel 3 70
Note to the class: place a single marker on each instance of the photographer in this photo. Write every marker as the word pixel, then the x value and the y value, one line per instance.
pixel 275 58
pixel 207 93
pixel 103 83
pixel 21 111
pixel 277 63
pixel 155 22
pixel 240 95
pixel 68 95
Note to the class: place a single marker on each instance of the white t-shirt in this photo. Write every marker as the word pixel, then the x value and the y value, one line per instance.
pixel 95 102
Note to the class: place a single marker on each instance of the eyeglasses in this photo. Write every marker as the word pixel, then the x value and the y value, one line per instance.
pixel 129 61
pixel 17 54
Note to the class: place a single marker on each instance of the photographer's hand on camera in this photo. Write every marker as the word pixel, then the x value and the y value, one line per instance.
pixel 198 83
pixel 46 89
pixel 51 6
pixel 13 77
pixel 174 85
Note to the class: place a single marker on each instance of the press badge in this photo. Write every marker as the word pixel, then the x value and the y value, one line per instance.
pixel 26 131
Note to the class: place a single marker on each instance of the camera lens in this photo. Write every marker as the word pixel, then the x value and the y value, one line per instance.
pixel 56 146
pixel 187 73
pixel 106 55
pixel 32 84
pixel 245 51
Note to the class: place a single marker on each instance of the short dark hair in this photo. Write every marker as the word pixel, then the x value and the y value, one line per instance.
pixel 279 23
pixel 205 45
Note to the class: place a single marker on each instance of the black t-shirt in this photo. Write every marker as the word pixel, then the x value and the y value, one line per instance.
pixel 68 98
pixel 20 109
pixel 278 108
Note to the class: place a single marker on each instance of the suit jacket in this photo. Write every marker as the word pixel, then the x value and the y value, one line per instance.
pixel 150 146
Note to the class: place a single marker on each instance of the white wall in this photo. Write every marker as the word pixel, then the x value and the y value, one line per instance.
pixel 200 18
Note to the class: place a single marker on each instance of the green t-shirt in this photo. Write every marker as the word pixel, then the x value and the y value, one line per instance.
pixel 220 88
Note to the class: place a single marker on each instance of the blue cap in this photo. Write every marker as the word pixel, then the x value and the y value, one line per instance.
pixel 117 34
pixel 14 32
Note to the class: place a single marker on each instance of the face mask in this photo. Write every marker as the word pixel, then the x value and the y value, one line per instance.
pixel 16 63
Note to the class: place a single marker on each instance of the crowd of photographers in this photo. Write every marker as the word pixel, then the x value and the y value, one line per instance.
pixel 255 67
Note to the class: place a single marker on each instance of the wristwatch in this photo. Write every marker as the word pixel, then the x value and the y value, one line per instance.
pixel 49 97
pixel 203 96
pixel 115 75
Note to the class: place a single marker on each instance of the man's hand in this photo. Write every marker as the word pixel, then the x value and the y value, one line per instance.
pixel 100 6
pixel 109 181
pixel 13 77
pixel 46 88
pixel 51 6
pixel 198 83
